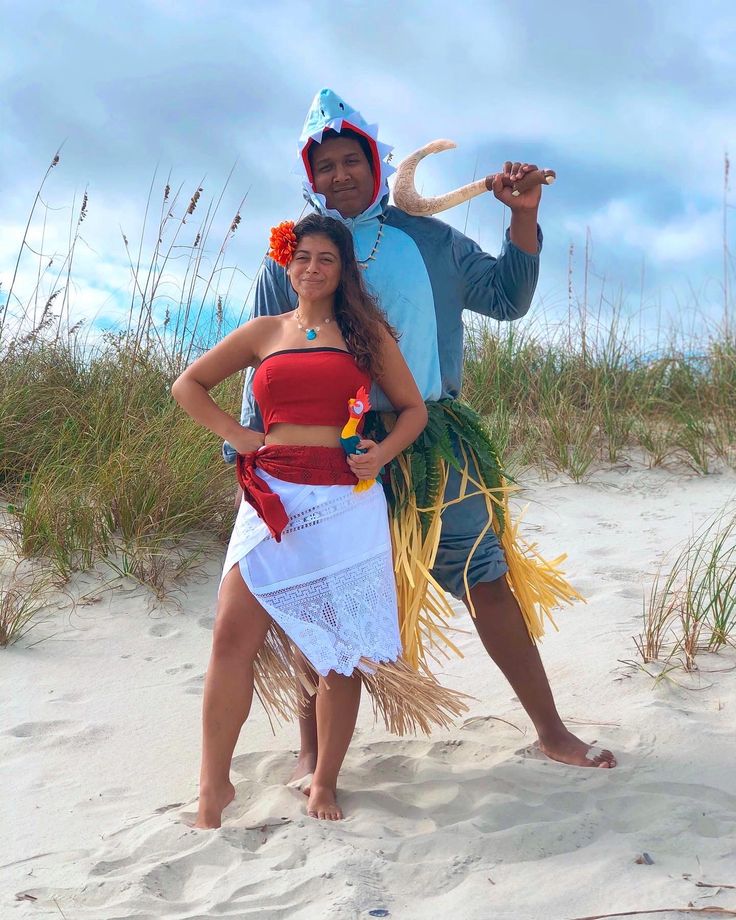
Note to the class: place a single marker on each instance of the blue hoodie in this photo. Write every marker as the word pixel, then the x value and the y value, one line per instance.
pixel 424 274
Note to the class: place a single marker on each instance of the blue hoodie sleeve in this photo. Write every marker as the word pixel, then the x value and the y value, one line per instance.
pixel 501 288
pixel 272 296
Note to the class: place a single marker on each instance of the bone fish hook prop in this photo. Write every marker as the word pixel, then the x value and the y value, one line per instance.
pixel 408 199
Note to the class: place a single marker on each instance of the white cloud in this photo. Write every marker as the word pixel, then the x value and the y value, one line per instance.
pixel 685 236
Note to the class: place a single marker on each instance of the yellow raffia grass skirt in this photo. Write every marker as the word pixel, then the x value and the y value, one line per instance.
pixel 416 488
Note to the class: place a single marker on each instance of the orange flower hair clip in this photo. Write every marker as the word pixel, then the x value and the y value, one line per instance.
pixel 282 242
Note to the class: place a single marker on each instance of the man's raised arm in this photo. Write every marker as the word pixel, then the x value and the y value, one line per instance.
pixel 501 288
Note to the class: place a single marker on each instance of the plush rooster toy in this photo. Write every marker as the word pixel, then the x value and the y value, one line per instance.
pixel 349 437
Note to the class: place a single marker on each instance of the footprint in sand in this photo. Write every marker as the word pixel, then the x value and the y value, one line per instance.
pixel 586 586
pixel 35 729
pixel 631 592
pixel 56 732
pixel 182 667
pixel 163 630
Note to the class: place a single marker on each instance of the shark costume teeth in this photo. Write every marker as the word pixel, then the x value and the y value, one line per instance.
pixel 329 112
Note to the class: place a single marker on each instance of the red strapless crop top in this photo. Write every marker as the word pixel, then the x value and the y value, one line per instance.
pixel 307 386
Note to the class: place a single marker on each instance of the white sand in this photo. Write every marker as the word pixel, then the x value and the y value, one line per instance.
pixel 99 741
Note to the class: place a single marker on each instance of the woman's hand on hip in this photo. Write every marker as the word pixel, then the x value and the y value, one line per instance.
pixel 246 440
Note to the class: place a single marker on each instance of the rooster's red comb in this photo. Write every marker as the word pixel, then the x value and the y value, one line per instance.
pixel 364 397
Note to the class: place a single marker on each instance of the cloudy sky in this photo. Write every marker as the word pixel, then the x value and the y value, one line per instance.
pixel 632 102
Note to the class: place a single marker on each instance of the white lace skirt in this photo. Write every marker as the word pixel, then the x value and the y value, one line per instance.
pixel 329 583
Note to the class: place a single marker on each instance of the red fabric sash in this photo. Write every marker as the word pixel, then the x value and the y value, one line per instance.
pixel 319 466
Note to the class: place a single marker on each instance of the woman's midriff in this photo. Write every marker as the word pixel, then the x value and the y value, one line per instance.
pixel 304 435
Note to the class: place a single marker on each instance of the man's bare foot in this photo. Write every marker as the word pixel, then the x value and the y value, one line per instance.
pixel 303 784
pixel 322 804
pixel 211 805
pixel 305 764
pixel 566 748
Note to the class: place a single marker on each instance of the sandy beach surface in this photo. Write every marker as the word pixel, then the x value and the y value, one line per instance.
pixel 99 751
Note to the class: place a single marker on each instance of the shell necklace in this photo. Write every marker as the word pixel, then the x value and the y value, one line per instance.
pixel 309 331
pixel 363 263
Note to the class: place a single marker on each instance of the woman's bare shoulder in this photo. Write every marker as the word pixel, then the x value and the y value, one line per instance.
pixel 263 331
pixel 263 325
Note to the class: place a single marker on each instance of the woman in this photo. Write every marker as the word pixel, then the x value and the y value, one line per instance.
pixel 310 554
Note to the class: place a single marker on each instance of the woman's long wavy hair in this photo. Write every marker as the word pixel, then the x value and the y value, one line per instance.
pixel 358 316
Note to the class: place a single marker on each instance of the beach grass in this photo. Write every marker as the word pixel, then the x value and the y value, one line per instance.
pixel 560 407
pixel 18 610
pixel 95 456
pixel 25 592
pixel 691 607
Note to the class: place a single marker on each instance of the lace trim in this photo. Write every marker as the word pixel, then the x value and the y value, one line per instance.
pixel 315 515
pixel 342 617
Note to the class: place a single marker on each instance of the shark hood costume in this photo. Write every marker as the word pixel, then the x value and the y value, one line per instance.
pixel 424 274
pixel 329 113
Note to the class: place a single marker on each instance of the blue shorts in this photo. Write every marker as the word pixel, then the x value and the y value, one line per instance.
pixel 461 524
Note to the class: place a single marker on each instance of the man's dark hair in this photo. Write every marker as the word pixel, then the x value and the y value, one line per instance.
pixel 329 135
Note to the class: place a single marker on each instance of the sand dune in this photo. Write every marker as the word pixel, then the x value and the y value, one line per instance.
pixel 99 748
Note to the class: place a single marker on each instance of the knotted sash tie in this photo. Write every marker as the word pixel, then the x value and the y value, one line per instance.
pixel 319 466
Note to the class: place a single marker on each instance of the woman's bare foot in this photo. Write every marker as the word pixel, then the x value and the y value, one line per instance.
pixel 322 804
pixel 306 763
pixel 211 805
pixel 567 748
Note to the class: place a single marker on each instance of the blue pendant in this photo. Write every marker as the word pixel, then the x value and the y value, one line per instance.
pixel 311 334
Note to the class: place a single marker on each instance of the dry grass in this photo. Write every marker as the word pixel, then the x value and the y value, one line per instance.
pixel 24 596
pixel 692 602
pixel 560 408
pixel 96 457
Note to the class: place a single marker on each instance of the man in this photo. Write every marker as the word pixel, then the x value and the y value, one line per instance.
pixel 424 274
